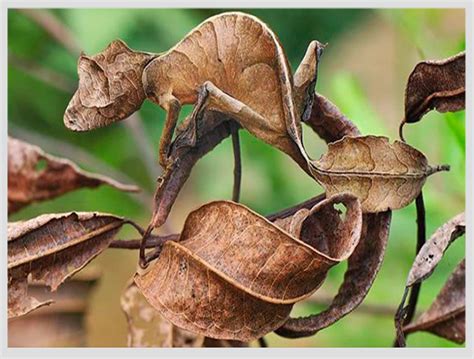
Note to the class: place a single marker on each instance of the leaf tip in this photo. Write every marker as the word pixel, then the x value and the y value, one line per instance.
pixel 439 168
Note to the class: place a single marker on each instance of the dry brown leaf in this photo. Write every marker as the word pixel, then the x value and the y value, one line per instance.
pixel 234 275
pixel 328 122
pixel 110 87
pixel 433 250
pixel 363 266
pixel 33 175
pixel 382 175
pixel 439 85
pixel 146 326
pixel 447 315
pixel 51 248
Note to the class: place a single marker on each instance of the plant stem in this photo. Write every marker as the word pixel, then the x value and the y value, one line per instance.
pixel 421 239
pixel 404 314
pixel 237 166
pixel 292 210
pixel 262 342
pixel 399 318
pixel 135 243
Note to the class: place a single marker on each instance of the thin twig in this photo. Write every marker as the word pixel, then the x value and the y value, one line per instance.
pixel 154 254
pixel 152 242
pixel 142 258
pixel 237 166
pixel 400 130
pixel 399 318
pixel 404 314
pixel 420 241
pixel 292 210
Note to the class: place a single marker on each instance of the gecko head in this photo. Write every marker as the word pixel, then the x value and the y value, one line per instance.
pixel 110 87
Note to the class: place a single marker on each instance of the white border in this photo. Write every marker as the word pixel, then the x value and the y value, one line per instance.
pixel 236 352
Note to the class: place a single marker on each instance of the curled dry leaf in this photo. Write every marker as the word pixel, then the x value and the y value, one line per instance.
pixel 146 326
pixel 33 175
pixel 110 87
pixel 51 248
pixel 365 262
pixel 363 266
pixel 446 317
pixel 433 250
pixel 439 85
pixel 235 275
pixel 328 122
pixel 382 175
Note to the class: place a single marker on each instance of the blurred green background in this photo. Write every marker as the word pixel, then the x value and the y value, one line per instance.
pixel 364 69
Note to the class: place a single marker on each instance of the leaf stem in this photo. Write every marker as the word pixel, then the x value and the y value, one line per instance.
pixel 237 166
pixel 438 168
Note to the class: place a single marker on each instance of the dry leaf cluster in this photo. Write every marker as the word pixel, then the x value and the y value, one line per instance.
pixel 232 275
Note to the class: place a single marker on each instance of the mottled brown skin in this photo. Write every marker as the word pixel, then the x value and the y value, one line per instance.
pixel 183 158
pixel 110 87
pixel 232 63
